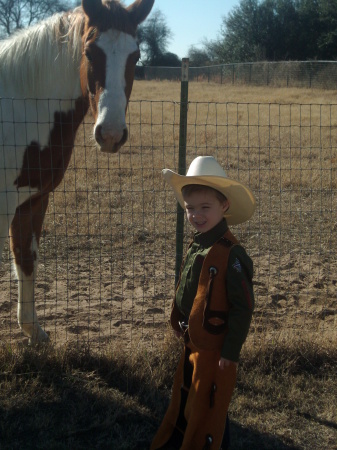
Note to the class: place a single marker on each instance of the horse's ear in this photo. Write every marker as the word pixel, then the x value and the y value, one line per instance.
pixel 92 8
pixel 139 10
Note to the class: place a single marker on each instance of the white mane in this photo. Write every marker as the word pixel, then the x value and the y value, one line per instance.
pixel 44 55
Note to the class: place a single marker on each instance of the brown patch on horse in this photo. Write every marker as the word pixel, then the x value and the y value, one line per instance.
pixel 27 221
pixel 44 169
pixel 93 71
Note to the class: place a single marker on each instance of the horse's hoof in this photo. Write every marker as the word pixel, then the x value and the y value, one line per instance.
pixel 38 337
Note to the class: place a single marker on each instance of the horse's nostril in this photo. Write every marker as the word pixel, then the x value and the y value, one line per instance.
pixel 125 136
pixel 98 134
pixel 114 139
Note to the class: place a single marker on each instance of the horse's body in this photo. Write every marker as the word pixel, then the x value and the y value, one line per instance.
pixel 50 74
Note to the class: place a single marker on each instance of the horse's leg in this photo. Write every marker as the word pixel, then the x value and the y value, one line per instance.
pixel 25 235
pixel 7 208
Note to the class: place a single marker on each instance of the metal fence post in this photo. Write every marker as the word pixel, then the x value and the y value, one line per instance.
pixel 182 162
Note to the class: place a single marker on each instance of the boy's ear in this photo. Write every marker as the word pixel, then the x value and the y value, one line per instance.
pixel 226 205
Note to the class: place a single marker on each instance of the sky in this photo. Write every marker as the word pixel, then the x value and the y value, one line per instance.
pixel 192 21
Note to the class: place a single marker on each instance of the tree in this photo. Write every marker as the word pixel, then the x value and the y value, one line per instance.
pixel 198 57
pixel 154 36
pixel 240 33
pixel 327 41
pixel 206 56
pixel 16 14
pixel 278 30
pixel 168 59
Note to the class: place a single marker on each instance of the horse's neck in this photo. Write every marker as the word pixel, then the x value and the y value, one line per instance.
pixel 43 61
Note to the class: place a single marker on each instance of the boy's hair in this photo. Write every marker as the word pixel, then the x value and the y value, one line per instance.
pixel 191 188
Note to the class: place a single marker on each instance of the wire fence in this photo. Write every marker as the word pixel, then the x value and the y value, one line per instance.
pixel 300 74
pixel 107 254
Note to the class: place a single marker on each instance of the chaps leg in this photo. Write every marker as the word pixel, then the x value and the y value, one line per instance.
pixel 199 404
pixel 25 235
pixel 171 431
pixel 208 400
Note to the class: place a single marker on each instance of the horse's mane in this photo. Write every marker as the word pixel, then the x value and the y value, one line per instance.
pixel 28 57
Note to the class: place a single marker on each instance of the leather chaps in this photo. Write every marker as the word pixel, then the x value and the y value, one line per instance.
pixel 196 416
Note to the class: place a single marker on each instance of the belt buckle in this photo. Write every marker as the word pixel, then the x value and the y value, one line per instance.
pixel 184 329
pixel 183 326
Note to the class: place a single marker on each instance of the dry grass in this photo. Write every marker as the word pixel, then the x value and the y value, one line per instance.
pixel 71 398
pixel 106 277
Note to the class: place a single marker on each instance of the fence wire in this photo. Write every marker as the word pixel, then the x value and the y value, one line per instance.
pixel 107 253
pixel 299 74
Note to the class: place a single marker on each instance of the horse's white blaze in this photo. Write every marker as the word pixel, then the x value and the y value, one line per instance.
pixel 117 47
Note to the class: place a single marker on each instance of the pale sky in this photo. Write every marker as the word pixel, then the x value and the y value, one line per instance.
pixel 191 21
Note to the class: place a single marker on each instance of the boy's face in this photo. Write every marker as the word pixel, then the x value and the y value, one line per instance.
pixel 204 210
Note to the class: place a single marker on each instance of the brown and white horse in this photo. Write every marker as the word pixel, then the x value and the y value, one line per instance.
pixel 49 76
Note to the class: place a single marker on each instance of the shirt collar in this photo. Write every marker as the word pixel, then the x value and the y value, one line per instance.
pixel 210 237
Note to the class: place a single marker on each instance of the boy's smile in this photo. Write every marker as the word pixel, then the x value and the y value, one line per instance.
pixel 204 210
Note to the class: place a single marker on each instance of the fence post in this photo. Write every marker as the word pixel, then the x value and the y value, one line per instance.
pixel 182 163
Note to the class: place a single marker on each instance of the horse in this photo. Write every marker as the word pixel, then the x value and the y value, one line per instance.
pixel 51 74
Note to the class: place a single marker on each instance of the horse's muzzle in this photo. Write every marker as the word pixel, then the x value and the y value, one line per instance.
pixel 110 143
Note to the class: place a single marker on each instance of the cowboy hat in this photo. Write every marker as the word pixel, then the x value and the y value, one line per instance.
pixel 205 170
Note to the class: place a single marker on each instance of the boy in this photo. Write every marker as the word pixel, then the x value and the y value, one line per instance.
pixel 212 309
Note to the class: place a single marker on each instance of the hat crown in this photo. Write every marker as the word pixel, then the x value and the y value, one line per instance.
pixel 205 166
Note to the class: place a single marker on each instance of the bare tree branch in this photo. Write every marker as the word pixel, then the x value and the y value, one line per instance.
pixel 16 14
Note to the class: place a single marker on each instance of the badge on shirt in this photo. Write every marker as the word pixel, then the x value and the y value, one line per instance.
pixel 237 265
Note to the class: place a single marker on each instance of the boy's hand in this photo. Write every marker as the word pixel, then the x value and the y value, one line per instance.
pixel 226 363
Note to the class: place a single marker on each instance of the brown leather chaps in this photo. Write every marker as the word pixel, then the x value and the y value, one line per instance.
pixel 196 416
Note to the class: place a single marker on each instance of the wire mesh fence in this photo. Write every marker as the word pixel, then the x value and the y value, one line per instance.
pixel 301 74
pixel 107 253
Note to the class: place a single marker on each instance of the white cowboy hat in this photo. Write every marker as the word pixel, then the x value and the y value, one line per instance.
pixel 207 171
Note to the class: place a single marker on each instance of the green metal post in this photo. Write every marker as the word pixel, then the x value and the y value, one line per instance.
pixel 182 163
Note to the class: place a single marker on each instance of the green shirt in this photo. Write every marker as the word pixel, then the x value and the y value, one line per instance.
pixel 238 284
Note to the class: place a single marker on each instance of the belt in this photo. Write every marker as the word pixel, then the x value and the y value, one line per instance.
pixel 184 328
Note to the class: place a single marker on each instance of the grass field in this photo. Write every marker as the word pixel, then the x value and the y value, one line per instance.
pixel 106 277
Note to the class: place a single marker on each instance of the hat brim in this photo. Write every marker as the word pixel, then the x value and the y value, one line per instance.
pixel 242 202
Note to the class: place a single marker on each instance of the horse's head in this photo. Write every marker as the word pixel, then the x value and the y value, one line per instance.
pixel 110 53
